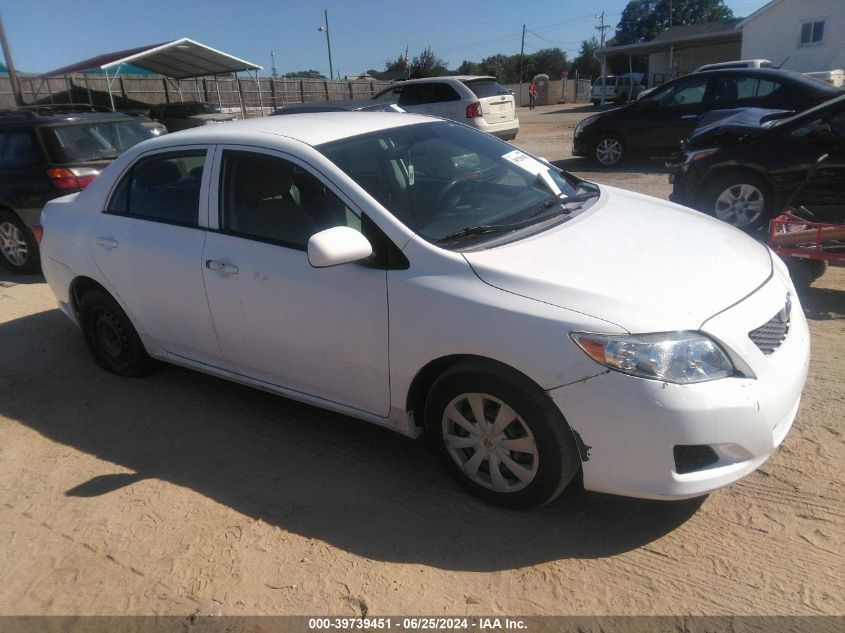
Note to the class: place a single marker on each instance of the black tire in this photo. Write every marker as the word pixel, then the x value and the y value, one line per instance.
pixel 111 337
pixel 556 460
pixel 805 271
pixel 29 263
pixel 596 103
pixel 735 181
pixel 603 147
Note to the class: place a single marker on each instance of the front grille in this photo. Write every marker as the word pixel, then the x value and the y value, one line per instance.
pixel 771 335
pixel 693 457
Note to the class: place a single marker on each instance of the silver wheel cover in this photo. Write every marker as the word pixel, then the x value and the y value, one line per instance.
pixel 490 442
pixel 12 244
pixel 740 205
pixel 608 151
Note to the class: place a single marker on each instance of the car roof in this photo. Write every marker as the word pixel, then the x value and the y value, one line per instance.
pixel 310 128
pixel 774 73
pixel 16 117
pixel 460 78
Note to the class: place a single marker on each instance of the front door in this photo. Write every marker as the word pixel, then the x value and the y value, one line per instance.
pixel 316 331
pixel 671 116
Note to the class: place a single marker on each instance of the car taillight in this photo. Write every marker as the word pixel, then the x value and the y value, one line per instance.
pixel 38 232
pixel 73 178
pixel 474 110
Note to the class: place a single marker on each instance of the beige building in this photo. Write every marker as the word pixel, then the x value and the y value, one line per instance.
pixel 681 49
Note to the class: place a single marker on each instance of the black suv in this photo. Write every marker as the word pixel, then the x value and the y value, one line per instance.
pixel 47 152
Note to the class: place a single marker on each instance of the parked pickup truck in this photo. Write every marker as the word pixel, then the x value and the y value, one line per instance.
pixel 619 89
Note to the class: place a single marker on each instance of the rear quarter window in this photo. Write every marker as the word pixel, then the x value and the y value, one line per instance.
pixel 484 89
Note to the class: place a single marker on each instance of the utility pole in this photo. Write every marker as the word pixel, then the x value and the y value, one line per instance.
pixel 325 29
pixel 273 72
pixel 521 63
pixel 10 64
pixel 602 28
pixel 670 14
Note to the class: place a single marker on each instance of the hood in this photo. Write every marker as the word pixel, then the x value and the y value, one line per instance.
pixel 644 264
pixel 736 123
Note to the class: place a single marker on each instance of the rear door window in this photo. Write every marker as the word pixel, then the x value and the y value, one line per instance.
pixel 17 147
pixel 486 88
pixel 164 188
pixel 444 92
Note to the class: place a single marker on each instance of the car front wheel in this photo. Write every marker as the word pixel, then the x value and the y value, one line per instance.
pixel 500 436
pixel 739 199
pixel 608 150
pixel 17 245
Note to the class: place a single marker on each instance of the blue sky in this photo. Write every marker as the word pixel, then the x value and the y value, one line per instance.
pixel 47 34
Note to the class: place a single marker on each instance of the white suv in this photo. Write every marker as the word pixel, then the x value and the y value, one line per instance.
pixel 478 101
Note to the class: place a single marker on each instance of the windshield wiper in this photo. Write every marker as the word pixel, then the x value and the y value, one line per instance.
pixel 484 229
pixel 563 201
pixel 470 231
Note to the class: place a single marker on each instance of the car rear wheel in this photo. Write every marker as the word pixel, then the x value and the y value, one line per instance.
pixel 500 436
pixel 608 150
pixel 739 199
pixel 111 338
pixel 17 245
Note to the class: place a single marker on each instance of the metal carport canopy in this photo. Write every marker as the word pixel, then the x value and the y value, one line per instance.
pixel 179 59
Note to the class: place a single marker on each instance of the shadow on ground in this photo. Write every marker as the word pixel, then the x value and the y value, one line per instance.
pixel 358 487
pixel 8 278
pixel 823 304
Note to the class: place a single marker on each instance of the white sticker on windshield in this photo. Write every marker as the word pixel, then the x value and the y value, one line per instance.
pixel 524 161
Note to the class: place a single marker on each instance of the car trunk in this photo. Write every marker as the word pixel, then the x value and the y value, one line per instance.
pixel 497 103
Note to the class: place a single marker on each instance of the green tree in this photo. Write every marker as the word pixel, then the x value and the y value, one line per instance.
pixel 587 63
pixel 427 64
pixel 546 61
pixel 470 68
pixel 642 20
pixel 305 74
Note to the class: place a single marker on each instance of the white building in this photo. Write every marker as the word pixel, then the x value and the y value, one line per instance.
pixel 808 34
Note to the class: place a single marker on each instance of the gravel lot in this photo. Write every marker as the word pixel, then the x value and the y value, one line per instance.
pixel 182 494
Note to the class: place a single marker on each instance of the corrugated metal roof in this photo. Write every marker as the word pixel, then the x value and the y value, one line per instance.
pixel 178 59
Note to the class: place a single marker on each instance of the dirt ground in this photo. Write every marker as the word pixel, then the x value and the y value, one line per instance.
pixel 181 494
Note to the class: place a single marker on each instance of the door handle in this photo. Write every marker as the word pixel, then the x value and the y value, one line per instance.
pixel 689 116
pixel 107 242
pixel 223 268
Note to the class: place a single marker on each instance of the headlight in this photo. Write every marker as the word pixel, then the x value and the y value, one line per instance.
pixel 679 357
pixel 584 123
pixel 698 154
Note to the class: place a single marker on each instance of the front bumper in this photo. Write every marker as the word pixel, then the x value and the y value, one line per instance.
pixel 580 146
pixel 630 426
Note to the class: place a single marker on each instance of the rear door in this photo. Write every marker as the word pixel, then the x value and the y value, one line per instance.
pixel 24 185
pixel 497 103
pixel 148 244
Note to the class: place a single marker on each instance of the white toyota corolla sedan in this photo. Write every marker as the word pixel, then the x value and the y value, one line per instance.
pixel 427 277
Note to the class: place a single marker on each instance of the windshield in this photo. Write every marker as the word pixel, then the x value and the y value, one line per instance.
pixel 443 178
pixel 87 142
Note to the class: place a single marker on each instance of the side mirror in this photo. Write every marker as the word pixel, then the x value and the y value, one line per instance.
pixel 336 246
